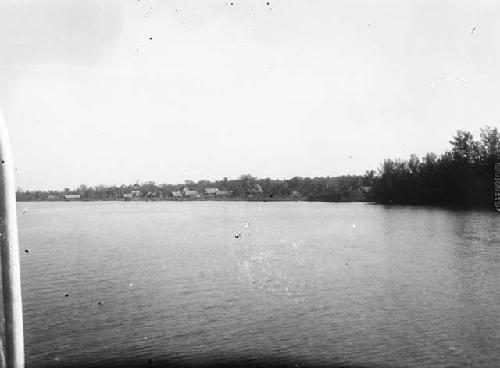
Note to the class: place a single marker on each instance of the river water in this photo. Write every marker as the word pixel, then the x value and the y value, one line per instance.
pixel 248 283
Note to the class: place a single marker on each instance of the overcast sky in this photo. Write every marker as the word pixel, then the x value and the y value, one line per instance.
pixel 107 92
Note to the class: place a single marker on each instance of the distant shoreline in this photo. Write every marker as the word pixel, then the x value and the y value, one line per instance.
pixel 232 199
pixel 279 199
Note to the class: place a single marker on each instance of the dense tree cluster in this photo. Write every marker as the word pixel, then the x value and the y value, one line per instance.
pixel 462 176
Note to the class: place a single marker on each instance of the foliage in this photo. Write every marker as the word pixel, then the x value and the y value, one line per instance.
pixel 462 176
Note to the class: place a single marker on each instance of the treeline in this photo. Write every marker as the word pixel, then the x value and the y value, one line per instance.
pixel 462 176
pixel 343 188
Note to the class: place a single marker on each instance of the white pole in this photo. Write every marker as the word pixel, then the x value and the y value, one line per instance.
pixel 9 257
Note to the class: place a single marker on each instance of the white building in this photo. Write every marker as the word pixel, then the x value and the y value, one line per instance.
pixel 71 197
pixel 211 192
pixel 191 193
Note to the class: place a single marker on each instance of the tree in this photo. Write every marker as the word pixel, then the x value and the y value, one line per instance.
pixel 490 144
pixel 430 159
pixel 414 164
pixel 464 147
pixel 247 182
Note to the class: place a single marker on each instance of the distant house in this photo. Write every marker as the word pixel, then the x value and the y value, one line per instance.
pixel 136 193
pixel 177 194
pixel 52 197
pixel 295 194
pixel 110 193
pixel 211 192
pixel 127 196
pixel 191 193
pixel 71 197
pixel 223 193
pixel 155 194
pixel 366 190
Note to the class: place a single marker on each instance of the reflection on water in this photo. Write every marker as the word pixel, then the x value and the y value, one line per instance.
pixel 307 283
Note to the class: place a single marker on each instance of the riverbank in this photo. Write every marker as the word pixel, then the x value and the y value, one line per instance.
pixel 213 199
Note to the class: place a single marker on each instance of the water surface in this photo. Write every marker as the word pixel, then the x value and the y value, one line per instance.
pixel 302 284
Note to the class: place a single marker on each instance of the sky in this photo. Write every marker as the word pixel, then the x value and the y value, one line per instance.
pixel 110 92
